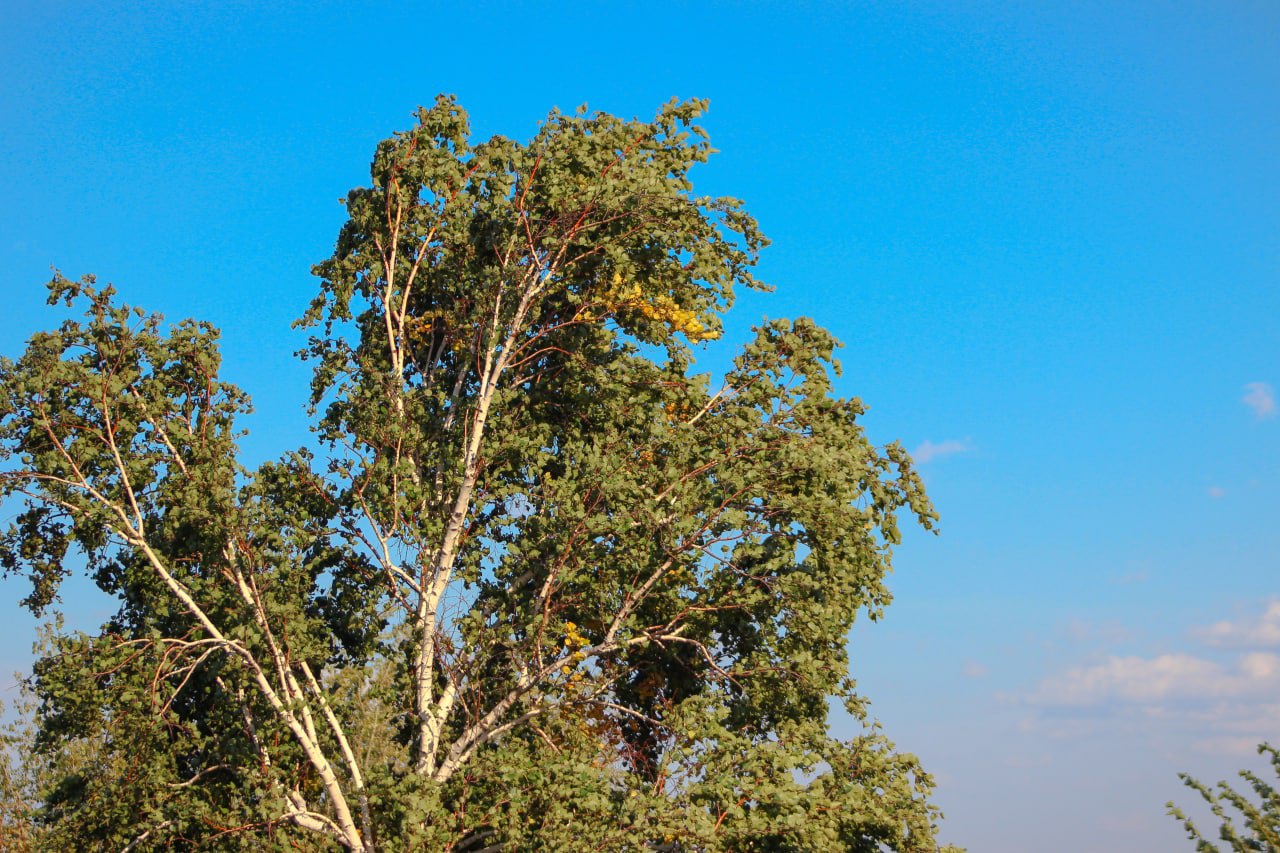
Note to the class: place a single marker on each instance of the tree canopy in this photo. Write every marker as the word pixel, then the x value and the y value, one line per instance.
pixel 537 584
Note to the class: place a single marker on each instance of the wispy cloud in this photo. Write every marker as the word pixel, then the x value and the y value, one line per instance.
pixel 1132 572
pixel 1237 726
pixel 974 669
pixel 932 450
pixel 1222 694
pixel 1260 632
pixel 1216 727
pixel 1107 631
pixel 1228 745
pixel 1216 492
pixel 1260 397
pixel 1152 681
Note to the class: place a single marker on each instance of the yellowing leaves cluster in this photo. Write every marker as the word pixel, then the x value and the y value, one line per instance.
pixel 573 638
pixel 659 307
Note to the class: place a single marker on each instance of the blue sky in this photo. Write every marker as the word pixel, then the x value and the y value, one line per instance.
pixel 1046 232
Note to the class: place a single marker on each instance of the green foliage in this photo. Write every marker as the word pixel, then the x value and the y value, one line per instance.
pixel 538 585
pixel 1259 827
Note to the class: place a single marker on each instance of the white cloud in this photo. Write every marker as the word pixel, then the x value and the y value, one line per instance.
pixel 973 669
pixel 1260 632
pixel 1151 681
pixel 1260 397
pixel 1216 492
pixel 930 450
pixel 1220 695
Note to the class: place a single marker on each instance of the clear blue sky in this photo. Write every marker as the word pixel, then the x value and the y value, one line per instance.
pixel 1047 233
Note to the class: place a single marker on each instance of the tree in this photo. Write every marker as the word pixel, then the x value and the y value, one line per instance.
pixel 539 585
pixel 1261 829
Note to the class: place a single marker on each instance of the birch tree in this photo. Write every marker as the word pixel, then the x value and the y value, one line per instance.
pixel 537 584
